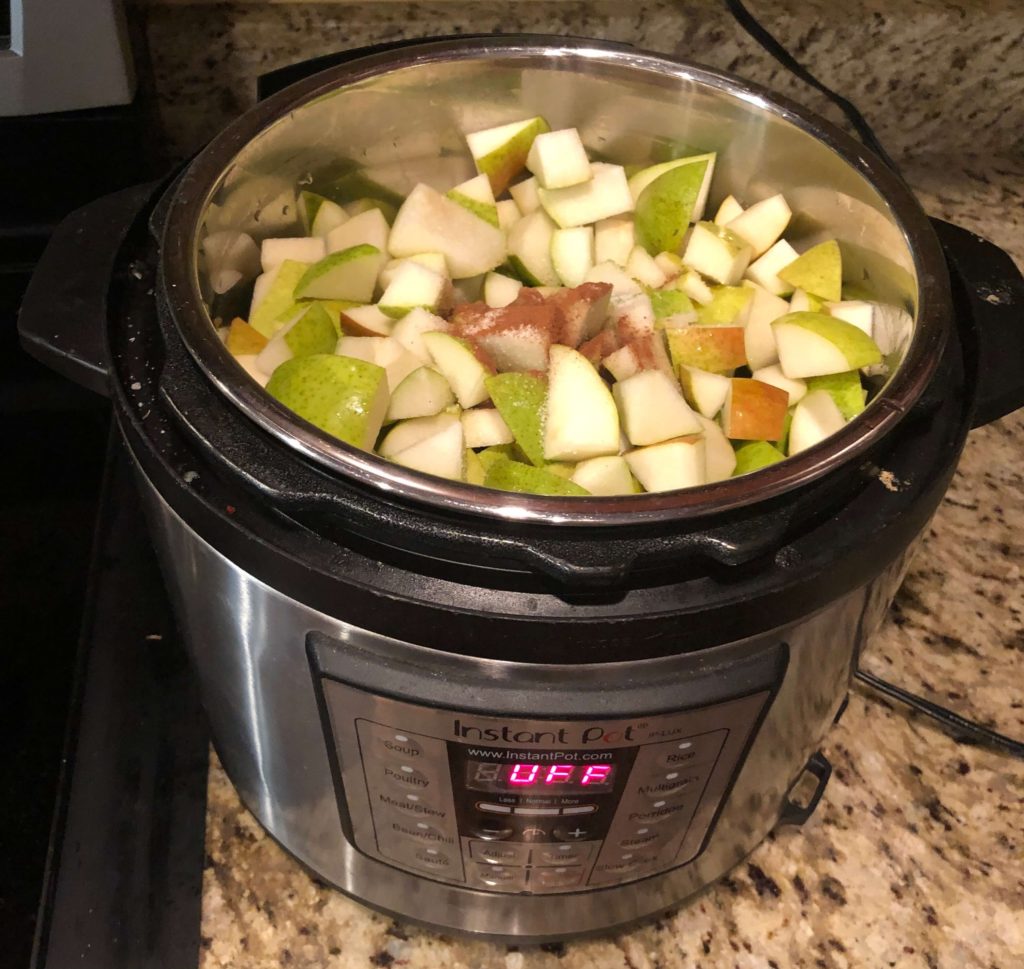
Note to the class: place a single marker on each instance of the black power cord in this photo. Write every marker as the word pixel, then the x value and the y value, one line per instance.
pixel 961 728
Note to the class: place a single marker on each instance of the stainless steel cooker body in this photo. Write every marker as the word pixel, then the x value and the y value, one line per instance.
pixel 260 656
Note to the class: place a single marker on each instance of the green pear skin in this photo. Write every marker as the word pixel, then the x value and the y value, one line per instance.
pixel 520 399
pixel 514 476
pixel 664 208
pixel 314 333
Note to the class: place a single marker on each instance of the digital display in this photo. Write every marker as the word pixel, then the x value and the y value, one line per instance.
pixel 514 776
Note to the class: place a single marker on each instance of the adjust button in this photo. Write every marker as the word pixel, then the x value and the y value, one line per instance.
pixel 498 853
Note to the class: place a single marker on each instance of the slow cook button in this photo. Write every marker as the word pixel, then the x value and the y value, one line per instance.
pixel 497 853
pixel 546 879
pixel 422 832
pixel 499 876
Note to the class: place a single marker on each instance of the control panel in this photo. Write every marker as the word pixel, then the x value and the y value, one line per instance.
pixel 532 806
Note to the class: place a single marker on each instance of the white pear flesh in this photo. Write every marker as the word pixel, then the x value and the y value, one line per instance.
pixel 604 195
pixel 621 282
pixel 369 228
pixel 856 311
pixel 406 434
pixel 614 239
pixel 508 214
pixel 758 339
pixel 328 217
pixel 485 427
pixel 728 210
pixel 764 270
pixel 273 252
pixel 797 389
pixel 652 409
pixel 442 454
pixel 815 418
pixel 529 249
pixel 706 391
pixel 719 456
pixel 427 221
pixel 558 159
pixel 642 266
pixel 460 367
pixel 423 393
pixel 717 253
pixel 762 224
pixel 604 476
pixel 815 345
pixel 412 285
pixel 582 419
pixel 410 328
pixel 247 361
pixel 228 257
pixel 500 290
pixel 365 320
pixel 670 465
pixel 524 194
pixel 572 254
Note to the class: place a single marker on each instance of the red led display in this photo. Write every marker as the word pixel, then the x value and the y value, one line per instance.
pixel 520 774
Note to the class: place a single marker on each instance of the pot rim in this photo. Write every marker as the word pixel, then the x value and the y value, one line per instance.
pixel 181 287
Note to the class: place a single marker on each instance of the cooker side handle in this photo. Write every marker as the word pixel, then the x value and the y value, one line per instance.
pixel 62 320
pixel 988 284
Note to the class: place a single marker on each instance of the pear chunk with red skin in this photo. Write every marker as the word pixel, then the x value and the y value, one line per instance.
pixel 652 409
pixel 754 411
pixel 365 320
pixel 670 465
pixel 796 389
pixel 582 419
pixel 717 349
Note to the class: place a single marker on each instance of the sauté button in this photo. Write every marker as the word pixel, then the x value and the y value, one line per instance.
pixel 434 859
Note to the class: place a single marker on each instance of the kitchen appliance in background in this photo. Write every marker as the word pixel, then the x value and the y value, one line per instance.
pixel 408 673
pixel 70 131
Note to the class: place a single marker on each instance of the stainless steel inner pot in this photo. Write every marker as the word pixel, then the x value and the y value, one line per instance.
pixel 403 115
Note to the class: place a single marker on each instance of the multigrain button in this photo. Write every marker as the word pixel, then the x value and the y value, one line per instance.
pixel 669 783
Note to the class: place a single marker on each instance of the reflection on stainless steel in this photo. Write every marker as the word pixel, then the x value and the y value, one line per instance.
pixel 248 646
pixel 401 116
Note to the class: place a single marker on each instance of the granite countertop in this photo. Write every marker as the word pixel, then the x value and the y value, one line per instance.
pixel 915 857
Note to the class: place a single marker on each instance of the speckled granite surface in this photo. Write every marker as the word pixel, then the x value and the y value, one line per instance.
pixel 915 857
pixel 931 75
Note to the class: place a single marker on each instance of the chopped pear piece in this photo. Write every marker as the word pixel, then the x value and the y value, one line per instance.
pixel 614 239
pixel 764 270
pixel 704 390
pixel 804 302
pixel 665 207
pixel 407 433
pixel 273 251
pixel 646 176
pixel 500 153
pixel 243 340
pixel 621 282
pixel 717 252
pixel 796 389
pixel 500 290
pixel 526 479
pixel 410 328
pixel 670 465
pixel 350 274
pixel 758 338
pixel 608 475
pixel 756 455
pixel 369 228
pixel 856 311
pixel 819 271
pixel 329 215
pixel 719 456
pixel 814 418
pixel 728 210
pixel 529 249
pixel 344 397
pixel 441 454
pixel 508 214
pixel 413 285
pixel 423 393
pixel 431 260
pixel 572 254
pixel 604 195
pixel 730 305
pixel 762 224
pixel 690 282
pixel 521 400
pixel 815 344
pixel 524 194
pixel 475 196
pixel 474 472
pixel 558 159
pixel 718 349
pixel 582 419
pixel 228 257
pixel 429 222
pixel 846 390
pixel 651 408
pixel 247 361
pixel 460 366
pixel 644 353
pixel 272 294
pixel 485 427
pixel 672 309
pixel 754 411
pixel 367 320
pixel 642 267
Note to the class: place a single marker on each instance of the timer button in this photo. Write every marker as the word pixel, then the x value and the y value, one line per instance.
pixel 563 854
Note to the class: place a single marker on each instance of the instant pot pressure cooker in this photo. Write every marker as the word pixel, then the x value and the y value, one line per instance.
pixel 515 716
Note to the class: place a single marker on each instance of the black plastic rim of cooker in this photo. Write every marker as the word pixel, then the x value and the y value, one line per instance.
pixel 512 591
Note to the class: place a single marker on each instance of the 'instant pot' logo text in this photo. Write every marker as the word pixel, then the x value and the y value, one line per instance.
pixel 585 734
